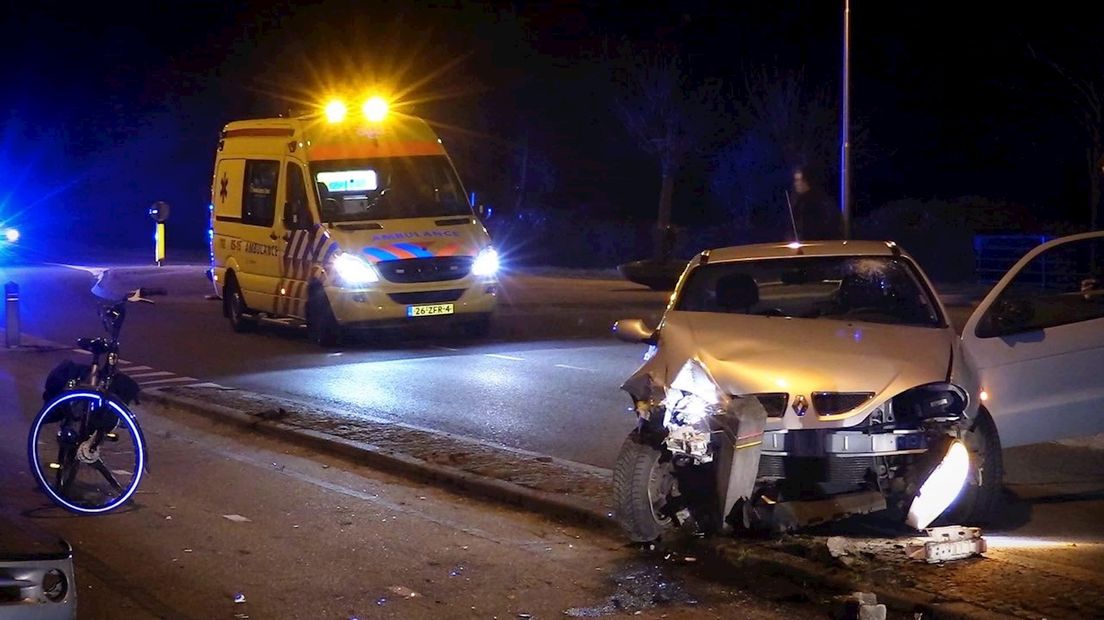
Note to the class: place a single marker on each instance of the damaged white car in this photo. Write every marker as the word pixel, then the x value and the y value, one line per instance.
pixel 791 384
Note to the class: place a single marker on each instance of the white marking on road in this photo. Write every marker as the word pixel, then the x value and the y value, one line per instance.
pixel 174 379
pixel 120 472
pixel 440 348
pixel 505 357
pixel 125 362
pixel 209 385
pixel 96 271
pixel 155 373
pixel 236 518
pixel 82 351
pixel 131 369
pixel 570 367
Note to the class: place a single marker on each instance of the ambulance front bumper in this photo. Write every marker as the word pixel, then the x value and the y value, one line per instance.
pixel 388 303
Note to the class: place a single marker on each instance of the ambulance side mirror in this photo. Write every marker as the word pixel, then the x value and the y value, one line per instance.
pixel 291 218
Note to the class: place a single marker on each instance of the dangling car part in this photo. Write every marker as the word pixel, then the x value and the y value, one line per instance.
pixel 794 384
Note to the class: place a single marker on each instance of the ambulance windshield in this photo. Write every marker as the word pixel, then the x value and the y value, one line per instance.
pixel 388 188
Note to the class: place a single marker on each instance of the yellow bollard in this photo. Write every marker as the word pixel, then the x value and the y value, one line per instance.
pixel 159 241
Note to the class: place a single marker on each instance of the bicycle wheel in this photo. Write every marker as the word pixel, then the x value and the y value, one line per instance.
pixel 86 451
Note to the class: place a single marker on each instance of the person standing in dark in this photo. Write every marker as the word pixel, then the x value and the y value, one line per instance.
pixel 815 214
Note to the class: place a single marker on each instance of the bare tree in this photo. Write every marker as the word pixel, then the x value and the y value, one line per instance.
pixel 789 140
pixel 787 127
pixel 668 114
pixel 1088 112
pixel 799 120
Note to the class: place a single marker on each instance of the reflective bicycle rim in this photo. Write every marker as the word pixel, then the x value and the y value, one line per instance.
pixel 86 452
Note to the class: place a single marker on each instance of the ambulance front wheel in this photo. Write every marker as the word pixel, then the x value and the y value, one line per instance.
pixel 322 326
pixel 235 308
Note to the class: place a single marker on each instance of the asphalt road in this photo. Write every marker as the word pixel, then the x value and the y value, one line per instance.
pixel 545 380
pixel 296 534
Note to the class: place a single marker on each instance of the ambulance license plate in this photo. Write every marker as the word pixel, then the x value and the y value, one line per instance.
pixel 429 310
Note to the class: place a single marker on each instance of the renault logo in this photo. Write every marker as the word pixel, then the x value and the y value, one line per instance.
pixel 800 405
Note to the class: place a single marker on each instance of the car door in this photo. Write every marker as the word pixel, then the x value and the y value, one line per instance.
pixel 1036 343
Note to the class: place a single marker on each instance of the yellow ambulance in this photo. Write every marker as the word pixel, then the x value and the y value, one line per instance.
pixel 336 221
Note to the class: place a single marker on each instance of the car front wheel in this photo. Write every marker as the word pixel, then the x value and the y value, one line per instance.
pixel 322 326
pixel 977 504
pixel 643 484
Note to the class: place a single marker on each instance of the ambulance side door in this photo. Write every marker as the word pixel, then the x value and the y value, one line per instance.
pixel 261 256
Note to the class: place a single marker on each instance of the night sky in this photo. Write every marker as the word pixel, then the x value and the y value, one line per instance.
pixel 107 110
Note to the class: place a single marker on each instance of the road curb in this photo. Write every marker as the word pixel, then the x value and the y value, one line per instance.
pixel 392 461
pixel 750 558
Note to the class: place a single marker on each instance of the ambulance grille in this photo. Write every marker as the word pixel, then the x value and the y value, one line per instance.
pixel 434 269
pixel 427 297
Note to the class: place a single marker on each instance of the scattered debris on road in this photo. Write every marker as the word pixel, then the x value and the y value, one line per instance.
pixel 403 591
pixel 859 606
pixel 944 544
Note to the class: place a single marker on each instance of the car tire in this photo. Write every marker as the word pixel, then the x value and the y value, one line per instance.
pixel 322 326
pixel 977 504
pixel 640 476
pixel 235 309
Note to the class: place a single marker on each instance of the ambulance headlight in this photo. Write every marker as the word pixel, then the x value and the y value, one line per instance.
pixel 354 271
pixel 486 262
pixel 11 234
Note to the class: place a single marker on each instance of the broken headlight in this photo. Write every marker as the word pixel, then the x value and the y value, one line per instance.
pixel 691 398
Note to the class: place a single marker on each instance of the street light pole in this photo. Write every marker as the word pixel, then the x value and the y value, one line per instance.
pixel 845 125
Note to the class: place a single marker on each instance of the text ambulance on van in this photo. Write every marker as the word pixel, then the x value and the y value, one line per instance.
pixel 342 221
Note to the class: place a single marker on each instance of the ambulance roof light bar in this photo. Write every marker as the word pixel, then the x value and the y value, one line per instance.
pixel 374 109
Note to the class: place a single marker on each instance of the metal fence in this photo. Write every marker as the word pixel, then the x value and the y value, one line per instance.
pixel 995 255
pixel 1059 269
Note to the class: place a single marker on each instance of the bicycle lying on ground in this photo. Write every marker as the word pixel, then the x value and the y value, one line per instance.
pixel 86 448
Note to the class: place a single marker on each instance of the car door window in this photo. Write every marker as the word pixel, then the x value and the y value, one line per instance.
pixel 1060 286
pixel 259 192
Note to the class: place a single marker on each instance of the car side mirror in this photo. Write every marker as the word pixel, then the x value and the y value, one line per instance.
pixel 1009 316
pixel 634 331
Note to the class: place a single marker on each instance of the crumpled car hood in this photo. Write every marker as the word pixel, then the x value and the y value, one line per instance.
pixel 755 354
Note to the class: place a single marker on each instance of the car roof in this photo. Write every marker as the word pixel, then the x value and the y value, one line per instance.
pixel 805 248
